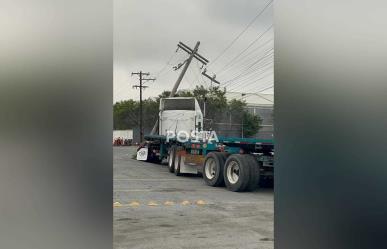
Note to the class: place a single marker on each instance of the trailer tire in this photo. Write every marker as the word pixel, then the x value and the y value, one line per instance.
pixel 177 164
pixel 213 169
pixel 171 159
pixel 224 155
pixel 237 172
pixel 254 173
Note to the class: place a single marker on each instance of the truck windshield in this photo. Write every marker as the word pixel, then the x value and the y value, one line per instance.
pixel 179 104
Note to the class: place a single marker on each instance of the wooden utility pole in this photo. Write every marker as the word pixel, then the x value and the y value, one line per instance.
pixel 193 53
pixel 141 86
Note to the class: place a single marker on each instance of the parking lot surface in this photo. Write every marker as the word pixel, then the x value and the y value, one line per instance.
pixel 156 209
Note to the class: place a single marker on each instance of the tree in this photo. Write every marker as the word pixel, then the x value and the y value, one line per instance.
pixel 126 114
pixel 223 116
pixel 251 124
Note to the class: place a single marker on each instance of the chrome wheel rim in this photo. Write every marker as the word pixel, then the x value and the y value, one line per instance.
pixel 176 162
pixel 170 160
pixel 210 168
pixel 233 172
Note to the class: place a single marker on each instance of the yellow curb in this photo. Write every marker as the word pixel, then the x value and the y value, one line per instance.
pixel 169 203
pixel 201 202
pixel 134 204
pixel 152 203
pixel 117 204
pixel 185 203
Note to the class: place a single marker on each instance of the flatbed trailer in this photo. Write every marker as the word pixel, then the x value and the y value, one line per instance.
pixel 241 164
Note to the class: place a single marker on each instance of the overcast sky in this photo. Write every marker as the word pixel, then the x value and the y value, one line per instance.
pixel 146 33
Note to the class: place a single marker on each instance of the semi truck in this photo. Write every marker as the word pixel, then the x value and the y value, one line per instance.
pixel 241 164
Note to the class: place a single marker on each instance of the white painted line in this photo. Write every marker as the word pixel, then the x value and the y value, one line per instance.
pixel 151 179
pixel 132 190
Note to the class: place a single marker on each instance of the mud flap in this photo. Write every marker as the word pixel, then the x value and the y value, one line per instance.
pixel 142 154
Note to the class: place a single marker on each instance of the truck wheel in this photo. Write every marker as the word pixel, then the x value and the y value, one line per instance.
pixel 213 169
pixel 177 165
pixel 171 159
pixel 237 172
pixel 254 173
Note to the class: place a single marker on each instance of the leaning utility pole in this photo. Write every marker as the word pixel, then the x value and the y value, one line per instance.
pixel 193 53
pixel 141 86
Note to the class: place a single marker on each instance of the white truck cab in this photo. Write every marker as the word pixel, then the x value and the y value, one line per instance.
pixel 180 114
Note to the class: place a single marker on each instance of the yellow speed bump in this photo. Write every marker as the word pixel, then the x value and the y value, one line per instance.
pixel 201 202
pixel 185 203
pixel 134 204
pixel 117 204
pixel 152 203
pixel 169 203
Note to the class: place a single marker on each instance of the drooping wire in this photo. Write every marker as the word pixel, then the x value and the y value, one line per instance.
pixel 241 33
pixel 250 68
pixel 166 65
pixel 243 51
pixel 251 65
pixel 244 60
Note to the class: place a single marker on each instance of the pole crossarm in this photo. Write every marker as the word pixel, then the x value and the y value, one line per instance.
pixel 195 53
pixel 137 86
pixel 153 79
pixel 141 73
pixel 211 78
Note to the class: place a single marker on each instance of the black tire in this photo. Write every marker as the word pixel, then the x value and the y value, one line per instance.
pixel 214 177
pixel 177 165
pixel 171 159
pixel 224 155
pixel 237 173
pixel 254 173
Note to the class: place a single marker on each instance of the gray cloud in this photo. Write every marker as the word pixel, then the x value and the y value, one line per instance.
pixel 146 34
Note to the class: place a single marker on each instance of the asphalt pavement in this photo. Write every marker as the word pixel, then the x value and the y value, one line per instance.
pixel 156 209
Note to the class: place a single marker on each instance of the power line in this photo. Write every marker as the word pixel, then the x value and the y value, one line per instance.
pixel 244 95
pixel 241 74
pixel 259 95
pixel 251 44
pixel 166 64
pixel 245 59
pixel 201 78
pixel 251 68
pixel 241 33
pixel 268 59
pixel 263 77
pixel 266 88
pixel 173 61
pixel 252 78
pixel 251 90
